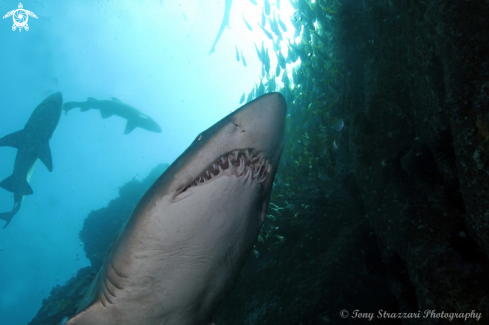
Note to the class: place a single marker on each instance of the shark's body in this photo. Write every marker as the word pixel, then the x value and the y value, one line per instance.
pixel 225 23
pixel 188 238
pixel 32 143
pixel 135 118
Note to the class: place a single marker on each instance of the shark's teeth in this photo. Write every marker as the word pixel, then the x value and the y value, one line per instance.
pixel 245 163
pixel 248 173
pixel 257 172
pixel 232 168
pixel 241 166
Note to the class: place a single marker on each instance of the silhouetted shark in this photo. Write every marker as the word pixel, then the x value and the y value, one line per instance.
pixel 32 143
pixel 186 241
pixel 135 118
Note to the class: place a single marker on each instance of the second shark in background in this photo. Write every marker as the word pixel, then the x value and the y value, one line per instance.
pixel 135 118
pixel 32 143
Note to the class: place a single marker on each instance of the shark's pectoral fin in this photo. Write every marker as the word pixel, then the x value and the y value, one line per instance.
pixel 44 155
pixel 91 293
pixel 12 140
pixel 16 185
pixel 105 113
pixel 131 125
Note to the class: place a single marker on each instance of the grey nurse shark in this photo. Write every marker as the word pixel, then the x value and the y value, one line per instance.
pixel 135 118
pixel 32 143
pixel 186 241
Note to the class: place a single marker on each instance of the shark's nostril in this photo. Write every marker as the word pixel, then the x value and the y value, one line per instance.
pixel 239 126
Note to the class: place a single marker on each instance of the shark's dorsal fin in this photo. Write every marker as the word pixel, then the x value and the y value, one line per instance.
pixel 116 99
pixel 44 155
pixel 131 125
pixel 91 98
pixel 105 113
pixel 12 140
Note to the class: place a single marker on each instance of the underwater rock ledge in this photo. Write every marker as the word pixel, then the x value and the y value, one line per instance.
pixel 415 103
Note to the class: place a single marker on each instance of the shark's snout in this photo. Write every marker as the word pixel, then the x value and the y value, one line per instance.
pixel 254 131
pixel 250 140
pixel 261 124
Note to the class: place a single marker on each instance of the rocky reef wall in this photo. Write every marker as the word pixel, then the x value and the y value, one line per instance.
pixel 407 229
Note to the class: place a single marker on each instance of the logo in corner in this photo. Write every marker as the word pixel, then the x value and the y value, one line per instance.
pixel 20 17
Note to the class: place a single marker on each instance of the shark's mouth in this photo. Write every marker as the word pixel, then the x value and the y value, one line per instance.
pixel 245 163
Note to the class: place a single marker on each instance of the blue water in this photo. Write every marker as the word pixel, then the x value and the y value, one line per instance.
pixel 153 55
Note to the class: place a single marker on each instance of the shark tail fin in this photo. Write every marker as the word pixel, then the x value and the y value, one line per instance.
pixel 12 140
pixel 7 216
pixel 17 186
pixel 131 125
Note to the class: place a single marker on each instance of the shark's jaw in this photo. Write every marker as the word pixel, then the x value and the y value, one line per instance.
pixel 246 163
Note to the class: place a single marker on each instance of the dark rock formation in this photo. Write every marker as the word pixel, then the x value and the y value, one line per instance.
pixel 416 101
pixel 419 72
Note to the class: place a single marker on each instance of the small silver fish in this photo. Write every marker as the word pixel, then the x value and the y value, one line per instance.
pixel 243 59
pixel 247 25
pixel 237 53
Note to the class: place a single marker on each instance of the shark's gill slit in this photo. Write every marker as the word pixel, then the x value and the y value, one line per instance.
pixel 238 163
